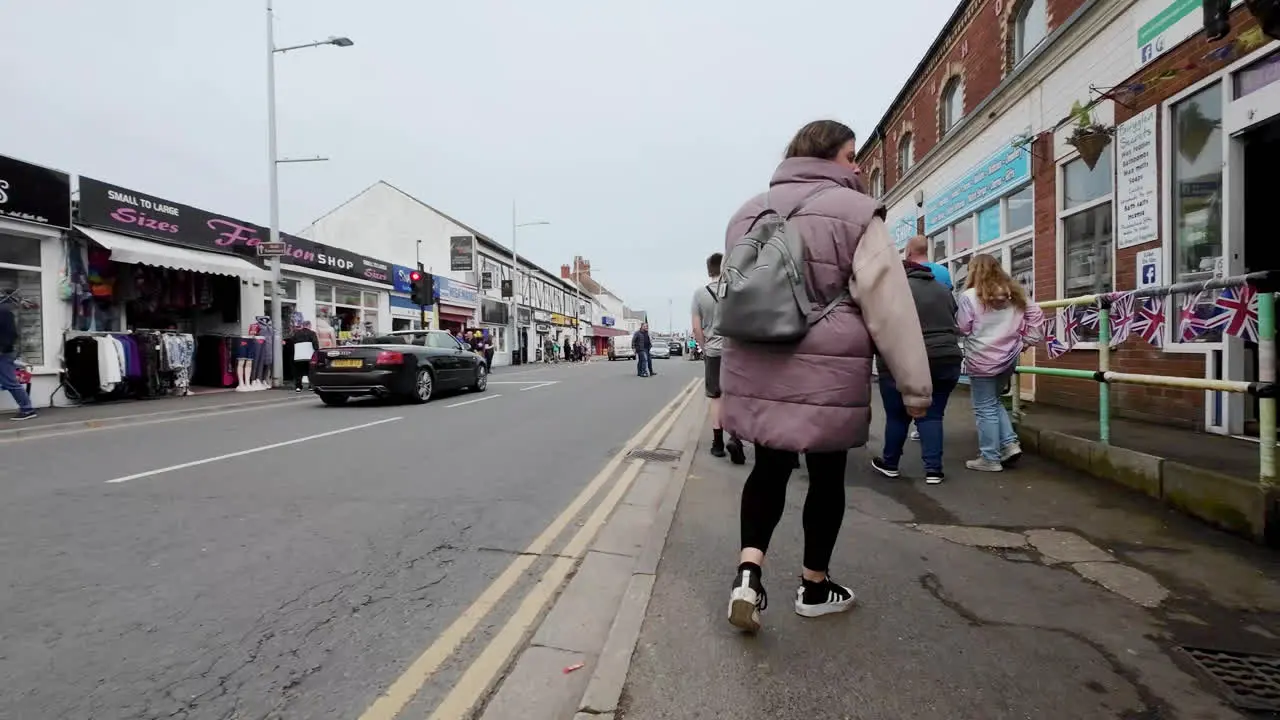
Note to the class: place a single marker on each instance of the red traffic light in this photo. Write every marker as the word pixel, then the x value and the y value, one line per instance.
pixel 415 276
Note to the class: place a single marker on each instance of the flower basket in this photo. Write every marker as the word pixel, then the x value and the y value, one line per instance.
pixel 1091 141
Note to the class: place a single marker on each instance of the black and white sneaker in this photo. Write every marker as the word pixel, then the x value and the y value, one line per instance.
pixel 815 599
pixel 884 468
pixel 747 599
pixel 934 477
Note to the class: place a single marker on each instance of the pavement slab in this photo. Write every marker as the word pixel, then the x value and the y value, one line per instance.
pixel 1066 547
pixel 1123 580
pixel 975 536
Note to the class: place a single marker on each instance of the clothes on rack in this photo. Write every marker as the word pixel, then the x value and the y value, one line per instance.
pixel 143 363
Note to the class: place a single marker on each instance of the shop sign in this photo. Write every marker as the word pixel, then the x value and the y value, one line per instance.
pixel 1136 184
pixel 456 293
pixel 400 278
pixel 606 321
pixel 902 229
pixel 462 253
pixel 541 316
pixel 524 316
pixel 543 329
pixel 1164 24
pixel 128 211
pixel 1001 173
pixel 558 319
pixel 1148 269
pixel 34 194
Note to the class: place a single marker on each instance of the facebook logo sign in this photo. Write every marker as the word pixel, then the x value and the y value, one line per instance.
pixel 1149 275
pixel 1148 52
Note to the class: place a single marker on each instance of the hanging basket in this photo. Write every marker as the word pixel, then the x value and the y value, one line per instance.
pixel 1090 142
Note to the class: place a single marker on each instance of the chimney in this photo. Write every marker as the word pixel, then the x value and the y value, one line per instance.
pixel 565 273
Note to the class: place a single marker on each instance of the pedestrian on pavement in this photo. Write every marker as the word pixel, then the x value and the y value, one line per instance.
pixel 813 396
pixel 642 344
pixel 486 349
pixel 936 308
pixel 999 323
pixel 305 343
pixel 705 303
pixel 917 251
pixel 9 366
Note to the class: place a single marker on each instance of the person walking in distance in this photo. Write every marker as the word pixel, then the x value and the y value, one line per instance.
pixel 813 396
pixel 936 308
pixel 704 332
pixel 642 344
pixel 9 366
pixel 305 344
pixel 917 251
pixel 999 323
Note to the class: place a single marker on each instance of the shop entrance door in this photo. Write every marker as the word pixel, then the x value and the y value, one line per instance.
pixel 1261 252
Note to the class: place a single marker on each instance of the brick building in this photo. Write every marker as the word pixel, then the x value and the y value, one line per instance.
pixel 973 153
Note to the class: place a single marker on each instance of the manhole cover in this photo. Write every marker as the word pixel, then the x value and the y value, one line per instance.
pixel 656 455
pixel 1247 681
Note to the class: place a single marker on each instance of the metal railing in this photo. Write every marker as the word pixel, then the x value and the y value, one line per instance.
pixel 1265 283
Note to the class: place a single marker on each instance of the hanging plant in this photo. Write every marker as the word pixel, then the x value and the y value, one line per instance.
pixel 1090 137
pixel 1194 131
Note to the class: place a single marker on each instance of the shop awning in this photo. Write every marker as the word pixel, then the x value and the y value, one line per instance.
pixel 135 251
pixel 602 331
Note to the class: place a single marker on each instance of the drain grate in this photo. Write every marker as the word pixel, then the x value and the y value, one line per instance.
pixel 656 455
pixel 1247 681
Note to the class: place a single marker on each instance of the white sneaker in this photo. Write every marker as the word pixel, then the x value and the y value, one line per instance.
pixel 1010 453
pixel 984 465
pixel 914 434
pixel 824 598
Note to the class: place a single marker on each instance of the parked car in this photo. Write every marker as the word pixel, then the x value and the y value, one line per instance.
pixel 620 348
pixel 409 365
pixel 660 350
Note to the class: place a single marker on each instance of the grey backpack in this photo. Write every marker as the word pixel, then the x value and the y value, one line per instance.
pixel 763 295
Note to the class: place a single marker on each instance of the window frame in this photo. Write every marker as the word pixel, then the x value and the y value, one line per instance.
pixel 910 146
pixel 1061 214
pixel 42 366
pixel 877 183
pixel 1005 236
pixel 952 90
pixel 1020 15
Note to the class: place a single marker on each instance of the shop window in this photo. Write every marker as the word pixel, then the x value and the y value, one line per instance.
pixel 347 296
pixel 1019 210
pixel 939 244
pixel 20 293
pixel 1082 186
pixel 1087 238
pixel 23 251
pixel 951 105
pixel 1022 266
pixel 1257 75
pixel 877 183
pixel 1197 194
pixel 1030 26
pixel 324 293
pixel 904 154
pixel 960 273
pixel 989 223
pixel 962 236
pixel 371 300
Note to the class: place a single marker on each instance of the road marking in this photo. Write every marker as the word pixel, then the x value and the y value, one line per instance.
pixel 117 422
pixel 535 387
pixel 250 451
pixel 523 382
pixel 477 679
pixel 405 687
pixel 472 402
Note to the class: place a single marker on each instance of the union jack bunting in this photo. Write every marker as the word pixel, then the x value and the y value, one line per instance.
pixel 1190 325
pixel 1087 316
pixel 1121 317
pixel 1055 347
pixel 1068 326
pixel 1237 312
pixel 1148 321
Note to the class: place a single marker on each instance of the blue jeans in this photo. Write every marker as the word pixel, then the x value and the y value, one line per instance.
pixel 9 381
pixel 995 432
pixel 897 422
pixel 644 366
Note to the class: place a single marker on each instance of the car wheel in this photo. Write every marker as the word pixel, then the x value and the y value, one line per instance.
pixel 423 386
pixel 482 379
pixel 333 399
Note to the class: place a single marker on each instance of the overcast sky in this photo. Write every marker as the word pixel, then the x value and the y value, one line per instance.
pixel 635 128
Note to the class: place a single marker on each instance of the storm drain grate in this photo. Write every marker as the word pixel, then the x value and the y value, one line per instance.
pixel 1247 681
pixel 656 455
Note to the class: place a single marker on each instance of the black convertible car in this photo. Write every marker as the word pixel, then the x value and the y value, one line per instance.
pixel 410 365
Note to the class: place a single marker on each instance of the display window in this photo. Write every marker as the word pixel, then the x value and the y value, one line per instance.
pixel 351 313
pixel 20 292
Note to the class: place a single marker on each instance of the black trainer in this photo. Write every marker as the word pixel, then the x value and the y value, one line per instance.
pixel 934 477
pixel 717 448
pixel 815 599
pixel 884 468
pixel 747 599
pixel 737 455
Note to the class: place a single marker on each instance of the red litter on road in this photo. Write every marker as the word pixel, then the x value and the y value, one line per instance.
pixel 571 668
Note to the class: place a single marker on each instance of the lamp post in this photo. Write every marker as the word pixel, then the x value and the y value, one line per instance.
pixel 515 277
pixel 277 364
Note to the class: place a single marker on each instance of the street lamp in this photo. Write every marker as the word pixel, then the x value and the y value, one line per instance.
pixel 277 364
pixel 515 276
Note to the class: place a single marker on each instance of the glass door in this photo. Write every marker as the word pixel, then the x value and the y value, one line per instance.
pixel 1019 261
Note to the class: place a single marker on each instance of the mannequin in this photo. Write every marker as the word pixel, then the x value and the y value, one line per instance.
pixel 246 347
pixel 264 355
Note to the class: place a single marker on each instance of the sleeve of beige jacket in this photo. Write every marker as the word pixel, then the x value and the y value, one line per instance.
pixel 879 286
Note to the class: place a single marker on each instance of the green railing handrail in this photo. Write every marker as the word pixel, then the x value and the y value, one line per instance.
pixel 1266 283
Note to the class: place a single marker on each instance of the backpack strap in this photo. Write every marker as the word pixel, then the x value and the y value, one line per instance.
pixel 825 311
pixel 712 293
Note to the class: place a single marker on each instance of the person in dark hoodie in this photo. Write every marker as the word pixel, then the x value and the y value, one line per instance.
pixel 9 367
pixel 936 307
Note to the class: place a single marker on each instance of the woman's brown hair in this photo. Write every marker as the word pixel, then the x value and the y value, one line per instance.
pixel 820 139
pixel 993 285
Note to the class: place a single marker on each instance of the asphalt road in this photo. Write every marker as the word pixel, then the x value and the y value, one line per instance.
pixel 290 560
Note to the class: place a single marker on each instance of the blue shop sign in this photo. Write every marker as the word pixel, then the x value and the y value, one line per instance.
pixel 400 278
pixel 606 321
pixel 1000 174
pixel 901 230
pixel 456 293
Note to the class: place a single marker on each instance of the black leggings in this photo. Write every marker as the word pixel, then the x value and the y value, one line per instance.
pixel 765 495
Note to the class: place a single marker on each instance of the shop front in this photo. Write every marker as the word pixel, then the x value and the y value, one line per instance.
pixel 457 303
pixel 543 331
pixel 524 329
pixel 601 333
pixel 35 212
pixel 495 318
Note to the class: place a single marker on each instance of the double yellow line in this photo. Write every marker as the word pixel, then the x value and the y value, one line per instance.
pixel 478 678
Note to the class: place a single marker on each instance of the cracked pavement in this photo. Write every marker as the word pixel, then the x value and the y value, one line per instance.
pixel 292 583
pixel 1036 593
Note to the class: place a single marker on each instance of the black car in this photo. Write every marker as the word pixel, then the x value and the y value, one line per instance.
pixel 410 365
pixel 677 347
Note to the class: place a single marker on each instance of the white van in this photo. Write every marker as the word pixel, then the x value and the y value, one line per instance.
pixel 620 348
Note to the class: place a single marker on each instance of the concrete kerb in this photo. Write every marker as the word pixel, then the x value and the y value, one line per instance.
pixel 131 419
pixel 604 690
pixel 1235 504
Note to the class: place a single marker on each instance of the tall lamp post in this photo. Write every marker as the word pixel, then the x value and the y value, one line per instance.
pixel 515 277
pixel 273 162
